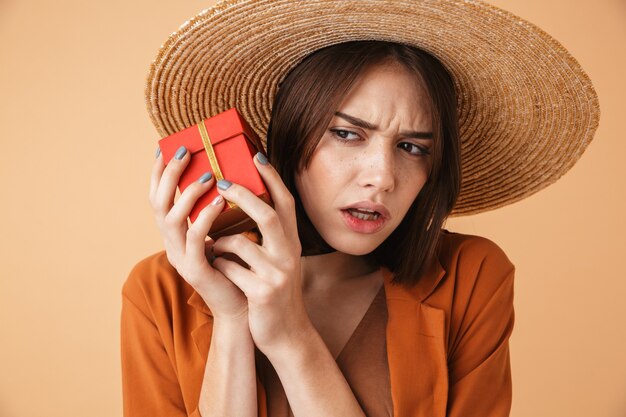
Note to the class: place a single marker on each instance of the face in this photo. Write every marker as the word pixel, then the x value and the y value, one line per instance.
pixel 374 156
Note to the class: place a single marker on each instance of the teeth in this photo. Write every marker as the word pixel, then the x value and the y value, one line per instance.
pixel 363 210
pixel 364 216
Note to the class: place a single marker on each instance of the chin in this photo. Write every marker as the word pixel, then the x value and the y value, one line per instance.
pixel 357 246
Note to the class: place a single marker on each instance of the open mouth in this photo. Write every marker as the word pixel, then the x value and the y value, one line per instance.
pixel 363 220
pixel 363 214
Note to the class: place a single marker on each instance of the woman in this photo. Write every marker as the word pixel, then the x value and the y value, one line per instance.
pixel 355 302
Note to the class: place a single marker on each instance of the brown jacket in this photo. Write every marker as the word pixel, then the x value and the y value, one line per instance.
pixel 447 337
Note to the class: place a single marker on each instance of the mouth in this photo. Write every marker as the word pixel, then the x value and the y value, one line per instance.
pixel 367 210
pixel 363 221
pixel 363 214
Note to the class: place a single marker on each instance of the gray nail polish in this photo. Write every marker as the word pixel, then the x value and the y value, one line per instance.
pixel 180 153
pixel 224 184
pixel 158 152
pixel 205 177
pixel 262 158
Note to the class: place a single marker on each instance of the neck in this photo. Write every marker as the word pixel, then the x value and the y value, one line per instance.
pixel 326 271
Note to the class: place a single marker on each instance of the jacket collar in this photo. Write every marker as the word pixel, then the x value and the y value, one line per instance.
pixel 427 283
pixel 203 329
pixel 416 346
pixel 198 303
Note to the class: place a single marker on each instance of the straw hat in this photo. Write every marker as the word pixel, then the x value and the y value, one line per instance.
pixel 527 110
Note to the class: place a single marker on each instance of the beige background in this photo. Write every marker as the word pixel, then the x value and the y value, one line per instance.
pixel 77 148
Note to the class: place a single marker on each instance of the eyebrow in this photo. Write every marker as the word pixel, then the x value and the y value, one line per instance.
pixel 366 125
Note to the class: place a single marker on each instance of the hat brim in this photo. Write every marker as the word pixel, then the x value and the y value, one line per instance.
pixel 527 110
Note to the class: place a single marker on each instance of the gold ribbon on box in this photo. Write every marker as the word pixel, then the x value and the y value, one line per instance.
pixel 208 147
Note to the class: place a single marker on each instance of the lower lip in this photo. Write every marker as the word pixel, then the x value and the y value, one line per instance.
pixel 362 226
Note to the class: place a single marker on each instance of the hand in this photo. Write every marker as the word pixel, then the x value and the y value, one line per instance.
pixel 186 246
pixel 272 285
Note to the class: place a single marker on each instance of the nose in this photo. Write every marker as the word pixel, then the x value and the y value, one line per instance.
pixel 377 167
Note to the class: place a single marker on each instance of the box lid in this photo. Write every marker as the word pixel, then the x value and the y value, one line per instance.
pixel 220 127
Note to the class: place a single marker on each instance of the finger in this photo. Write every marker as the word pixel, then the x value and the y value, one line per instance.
pixel 166 190
pixel 244 248
pixel 196 244
pixel 284 203
pixel 155 178
pixel 179 213
pixel 241 277
pixel 265 216
pixel 174 224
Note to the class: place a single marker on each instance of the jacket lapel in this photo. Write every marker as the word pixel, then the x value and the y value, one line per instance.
pixel 203 330
pixel 416 347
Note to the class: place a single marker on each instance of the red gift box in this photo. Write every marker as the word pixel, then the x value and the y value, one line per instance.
pixel 224 145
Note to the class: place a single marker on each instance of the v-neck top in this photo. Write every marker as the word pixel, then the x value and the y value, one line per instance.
pixel 446 340
pixel 362 360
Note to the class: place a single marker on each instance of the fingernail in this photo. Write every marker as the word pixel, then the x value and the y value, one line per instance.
pixel 262 158
pixel 158 152
pixel 224 184
pixel 217 200
pixel 205 177
pixel 180 153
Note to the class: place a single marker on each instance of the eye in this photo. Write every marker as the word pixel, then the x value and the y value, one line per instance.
pixel 342 135
pixel 414 149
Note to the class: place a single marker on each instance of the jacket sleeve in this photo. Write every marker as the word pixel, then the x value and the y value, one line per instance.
pixel 479 361
pixel 150 385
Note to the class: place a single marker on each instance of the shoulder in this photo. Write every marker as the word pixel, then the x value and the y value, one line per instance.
pixel 456 244
pixel 153 281
pixel 466 253
pixel 477 295
pixel 474 269
pixel 149 273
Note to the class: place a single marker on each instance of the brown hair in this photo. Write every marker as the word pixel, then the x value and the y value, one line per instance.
pixel 304 106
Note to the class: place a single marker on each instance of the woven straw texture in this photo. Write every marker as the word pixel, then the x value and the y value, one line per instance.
pixel 527 110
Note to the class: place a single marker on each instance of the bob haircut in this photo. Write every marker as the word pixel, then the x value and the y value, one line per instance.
pixel 303 108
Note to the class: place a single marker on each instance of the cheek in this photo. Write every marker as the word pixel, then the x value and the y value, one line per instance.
pixel 412 182
pixel 326 169
pixel 311 186
pixel 331 159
